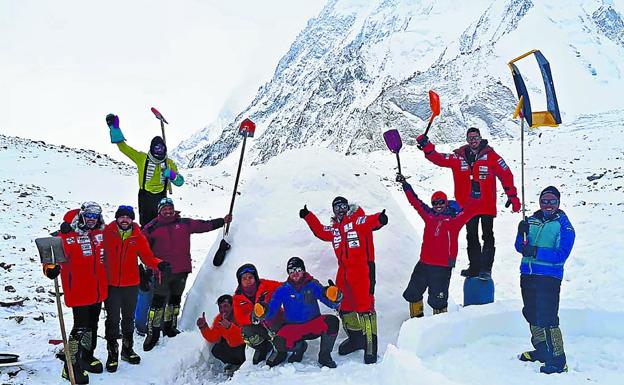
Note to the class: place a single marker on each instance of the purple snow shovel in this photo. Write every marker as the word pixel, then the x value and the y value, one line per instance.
pixel 393 141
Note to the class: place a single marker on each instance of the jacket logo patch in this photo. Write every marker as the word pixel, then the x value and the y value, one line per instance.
pixel 327 228
pixel 337 239
pixel 354 243
pixel 99 237
pixel 483 157
pixel 360 220
pixel 502 163
pixel 86 249
pixel 352 235
pixel 83 239
pixel 464 165
pixel 336 233
pixel 70 240
pixel 348 226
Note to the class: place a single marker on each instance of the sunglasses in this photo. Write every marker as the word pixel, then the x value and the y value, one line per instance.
pixel 91 215
pixel 295 270
pixel 473 138
pixel 551 202
pixel 438 202
pixel 341 207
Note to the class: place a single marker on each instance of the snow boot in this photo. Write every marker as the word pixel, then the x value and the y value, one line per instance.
pixel 112 362
pixel 127 353
pixel 86 350
pixel 327 345
pixel 80 375
pixel 170 324
pixel 416 309
pixel 355 337
pixel 440 311
pixel 229 369
pixel 276 358
pixel 556 362
pixel 538 340
pixel 370 334
pixel 298 350
pixel 154 320
pixel 487 260
pixel 261 351
pixel 474 258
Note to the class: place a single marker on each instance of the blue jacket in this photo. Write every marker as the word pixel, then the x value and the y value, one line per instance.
pixel 554 238
pixel 300 302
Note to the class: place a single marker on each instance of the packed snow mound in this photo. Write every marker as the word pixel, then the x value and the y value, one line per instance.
pixel 270 231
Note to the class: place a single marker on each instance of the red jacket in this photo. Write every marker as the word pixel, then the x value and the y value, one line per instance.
pixel 486 167
pixel 243 306
pixel 84 274
pixel 232 335
pixel 170 238
pixel 439 245
pixel 353 245
pixel 121 255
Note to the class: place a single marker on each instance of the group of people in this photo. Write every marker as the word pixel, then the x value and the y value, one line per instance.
pixel 277 318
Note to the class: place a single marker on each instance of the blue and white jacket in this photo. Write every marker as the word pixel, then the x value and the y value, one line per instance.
pixel 554 238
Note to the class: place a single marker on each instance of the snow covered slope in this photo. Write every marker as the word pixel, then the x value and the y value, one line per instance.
pixel 362 67
pixel 465 346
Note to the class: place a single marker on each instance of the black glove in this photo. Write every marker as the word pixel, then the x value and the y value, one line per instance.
pixel 383 218
pixel 523 227
pixel 145 277
pixel 66 228
pixel 165 267
pixel 112 121
pixel 400 178
pixel 529 251
pixel 304 212
pixel 51 270
pixel 422 141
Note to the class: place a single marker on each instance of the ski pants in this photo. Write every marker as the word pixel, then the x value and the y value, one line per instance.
pixel 289 334
pixel 229 354
pixel 168 288
pixel 436 278
pixel 86 318
pixel 121 301
pixel 477 261
pixel 148 205
pixel 540 295
pixel 357 284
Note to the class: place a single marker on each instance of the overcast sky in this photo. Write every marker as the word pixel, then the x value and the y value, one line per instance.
pixel 65 64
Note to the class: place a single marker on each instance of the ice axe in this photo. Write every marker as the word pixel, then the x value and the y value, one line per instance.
pixel 51 252
pixel 246 129
pixel 434 103
pixel 162 129
pixel 394 143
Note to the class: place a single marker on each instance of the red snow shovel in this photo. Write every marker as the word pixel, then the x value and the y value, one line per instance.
pixel 394 143
pixel 246 129
pixel 434 103
pixel 162 128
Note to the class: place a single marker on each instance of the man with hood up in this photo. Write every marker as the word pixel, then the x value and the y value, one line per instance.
pixel 154 173
pixel 351 232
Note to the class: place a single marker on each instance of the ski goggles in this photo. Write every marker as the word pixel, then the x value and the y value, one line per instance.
pixel 438 202
pixel 295 270
pixel 550 202
pixel 247 270
pixel 341 206
pixel 124 207
pixel 91 215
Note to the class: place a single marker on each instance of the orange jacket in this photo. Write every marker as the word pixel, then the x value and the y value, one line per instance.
pixel 232 335
pixel 243 306
pixel 121 255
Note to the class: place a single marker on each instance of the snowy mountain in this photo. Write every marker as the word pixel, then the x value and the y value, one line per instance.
pixel 362 67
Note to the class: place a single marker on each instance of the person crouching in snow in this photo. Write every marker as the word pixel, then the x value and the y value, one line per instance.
pixel 225 334
pixel 438 251
pixel 251 290
pixel 545 240
pixel 85 285
pixel 351 232
pixel 299 297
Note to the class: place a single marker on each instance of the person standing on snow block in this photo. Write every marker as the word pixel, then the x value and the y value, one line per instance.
pixel 545 240
pixel 351 233
pixel 151 167
pixel 84 284
pixel 438 251
pixel 475 168
pixel 123 243
pixel 252 290
pixel 299 297
pixel 169 236
pixel 225 335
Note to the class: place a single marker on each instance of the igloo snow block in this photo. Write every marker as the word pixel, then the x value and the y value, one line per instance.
pixel 141 310
pixel 478 291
